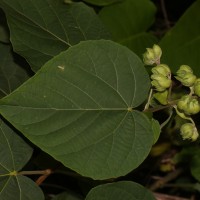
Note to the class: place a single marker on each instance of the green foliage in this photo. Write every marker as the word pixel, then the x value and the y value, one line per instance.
pixel 181 45
pixel 90 104
pixel 51 23
pixel 14 154
pixel 91 100
pixel 120 190
pixel 11 74
pixel 128 22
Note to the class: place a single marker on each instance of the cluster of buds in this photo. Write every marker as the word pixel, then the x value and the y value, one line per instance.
pixel 161 81
pixel 152 55
pixel 188 104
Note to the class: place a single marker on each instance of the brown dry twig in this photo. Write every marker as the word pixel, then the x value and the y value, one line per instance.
pixel 160 196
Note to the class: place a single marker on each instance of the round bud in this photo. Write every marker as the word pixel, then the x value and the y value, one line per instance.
pixel 160 82
pixel 185 76
pixel 157 51
pixel 161 69
pixel 197 87
pixel 193 107
pixel 189 131
pixel 183 102
pixel 152 55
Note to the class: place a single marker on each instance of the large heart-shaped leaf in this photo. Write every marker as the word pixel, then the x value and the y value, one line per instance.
pixel 14 154
pixel 42 29
pixel 125 190
pixel 11 74
pixel 181 45
pixel 79 108
pixel 128 22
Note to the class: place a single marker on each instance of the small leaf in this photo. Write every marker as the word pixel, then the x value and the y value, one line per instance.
pixel 79 108
pixel 129 27
pixel 102 2
pixel 181 45
pixel 42 29
pixel 14 154
pixel 125 190
pixel 156 129
pixel 11 74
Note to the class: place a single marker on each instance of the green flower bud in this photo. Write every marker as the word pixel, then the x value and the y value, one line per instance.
pixel 185 76
pixel 152 55
pixel 189 131
pixel 183 102
pixel 162 97
pixel 197 87
pixel 160 82
pixel 189 105
pixel 193 107
pixel 161 69
pixel 157 51
pixel 185 68
pixel 148 57
pixel 187 80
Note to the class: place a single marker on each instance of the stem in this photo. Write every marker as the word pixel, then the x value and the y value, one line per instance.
pixel 169 177
pixel 160 196
pixel 39 172
pixel 158 108
pixel 149 100
pixel 167 23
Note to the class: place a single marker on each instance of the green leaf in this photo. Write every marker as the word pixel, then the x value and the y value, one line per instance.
pixel 67 196
pixel 128 22
pixel 125 190
pixel 156 129
pixel 19 188
pixel 79 109
pixel 42 29
pixel 11 74
pixel 102 2
pixel 139 42
pixel 4 36
pixel 14 154
pixel 181 45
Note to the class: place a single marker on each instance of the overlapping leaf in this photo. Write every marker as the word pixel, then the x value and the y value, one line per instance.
pixel 11 74
pixel 14 154
pixel 181 45
pixel 125 190
pixel 42 29
pixel 78 108
pixel 128 22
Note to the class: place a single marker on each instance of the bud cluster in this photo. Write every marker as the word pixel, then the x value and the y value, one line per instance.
pixel 161 81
